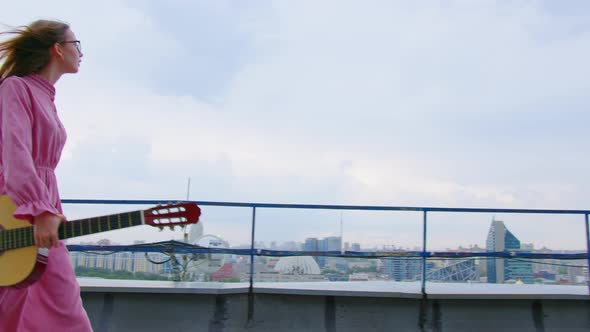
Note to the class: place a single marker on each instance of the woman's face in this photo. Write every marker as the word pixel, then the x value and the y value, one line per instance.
pixel 72 54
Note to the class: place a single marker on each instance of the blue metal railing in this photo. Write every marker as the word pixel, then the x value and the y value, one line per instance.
pixel 424 254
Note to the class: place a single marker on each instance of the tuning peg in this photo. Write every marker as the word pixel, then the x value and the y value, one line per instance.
pixel 171 228
pixel 161 228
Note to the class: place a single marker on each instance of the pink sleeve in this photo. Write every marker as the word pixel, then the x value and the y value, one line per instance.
pixel 23 184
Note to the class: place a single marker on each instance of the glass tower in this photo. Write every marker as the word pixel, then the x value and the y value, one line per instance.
pixel 500 270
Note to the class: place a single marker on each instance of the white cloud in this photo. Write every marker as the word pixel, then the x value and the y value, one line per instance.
pixel 326 102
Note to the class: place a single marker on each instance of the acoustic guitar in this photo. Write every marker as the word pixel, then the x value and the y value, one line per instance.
pixel 22 263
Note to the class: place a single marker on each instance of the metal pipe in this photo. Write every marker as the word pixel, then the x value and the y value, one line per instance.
pixel 251 288
pixel 588 249
pixel 252 250
pixel 424 253
pixel 326 207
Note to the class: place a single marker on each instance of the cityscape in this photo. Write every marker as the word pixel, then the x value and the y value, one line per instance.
pixel 236 268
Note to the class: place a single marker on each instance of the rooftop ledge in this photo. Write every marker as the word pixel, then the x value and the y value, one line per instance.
pixel 435 290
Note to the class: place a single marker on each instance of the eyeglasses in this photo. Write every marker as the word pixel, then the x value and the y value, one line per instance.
pixel 76 42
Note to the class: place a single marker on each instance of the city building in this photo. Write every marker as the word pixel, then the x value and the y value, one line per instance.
pixel 400 269
pixel 311 244
pixel 500 270
pixel 331 243
pixel 120 261
pixel 454 271
pixel 297 265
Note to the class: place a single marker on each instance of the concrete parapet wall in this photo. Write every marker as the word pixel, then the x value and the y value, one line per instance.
pixel 239 311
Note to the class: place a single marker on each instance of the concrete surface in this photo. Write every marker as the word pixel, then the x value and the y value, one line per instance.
pixel 345 306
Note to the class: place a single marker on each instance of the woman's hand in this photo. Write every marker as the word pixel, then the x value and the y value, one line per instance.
pixel 45 230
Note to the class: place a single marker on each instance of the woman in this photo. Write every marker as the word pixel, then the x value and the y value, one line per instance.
pixel 31 141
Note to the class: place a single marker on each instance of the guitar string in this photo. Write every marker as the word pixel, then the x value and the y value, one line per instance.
pixel 23 237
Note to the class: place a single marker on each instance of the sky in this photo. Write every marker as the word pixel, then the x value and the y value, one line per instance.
pixel 402 103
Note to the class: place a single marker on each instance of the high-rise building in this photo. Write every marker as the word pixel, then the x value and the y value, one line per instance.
pixel 400 269
pixel 311 244
pixel 334 243
pixel 500 270
pixel 331 243
pixel 346 246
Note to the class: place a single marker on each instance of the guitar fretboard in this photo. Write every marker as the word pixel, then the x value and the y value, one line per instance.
pixel 23 237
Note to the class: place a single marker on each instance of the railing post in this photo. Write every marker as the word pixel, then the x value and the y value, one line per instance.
pixel 251 288
pixel 252 248
pixel 423 315
pixel 587 249
pixel 424 253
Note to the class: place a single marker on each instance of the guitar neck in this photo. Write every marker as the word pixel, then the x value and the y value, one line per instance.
pixel 23 237
pixel 89 226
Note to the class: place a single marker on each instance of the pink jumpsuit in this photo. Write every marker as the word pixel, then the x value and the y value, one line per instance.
pixel 31 141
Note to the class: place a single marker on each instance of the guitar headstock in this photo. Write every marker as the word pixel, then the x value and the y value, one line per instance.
pixel 170 215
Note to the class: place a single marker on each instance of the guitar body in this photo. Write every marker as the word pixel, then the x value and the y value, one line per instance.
pixel 20 267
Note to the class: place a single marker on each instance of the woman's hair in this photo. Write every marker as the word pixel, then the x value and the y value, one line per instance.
pixel 28 50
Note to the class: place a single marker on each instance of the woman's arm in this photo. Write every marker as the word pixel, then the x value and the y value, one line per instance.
pixel 23 185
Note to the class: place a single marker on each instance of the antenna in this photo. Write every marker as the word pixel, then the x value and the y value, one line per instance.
pixel 188 193
pixel 188 189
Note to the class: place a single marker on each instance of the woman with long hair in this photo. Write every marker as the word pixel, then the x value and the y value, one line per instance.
pixel 34 57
